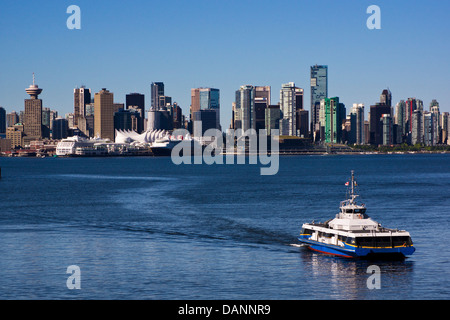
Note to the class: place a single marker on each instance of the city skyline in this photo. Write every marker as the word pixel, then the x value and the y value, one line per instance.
pixel 358 68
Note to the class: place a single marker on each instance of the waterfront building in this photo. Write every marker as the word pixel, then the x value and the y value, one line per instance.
pixel 177 116
pixel 288 106
pixel 15 134
pixel 104 114
pixel 400 117
pixel 46 129
pixel 358 111
pixel 272 118
pixel 159 119
pixel 204 120
pixel 127 120
pixel 209 99
pixel 417 127
pixel 2 120
pixel 434 109
pixel 157 90
pixel 443 124
pixel 11 119
pixel 136 101
pixel 333 115
pixel 388 133
pixel 245 107
pixel 261 104
pixel 429 126
pixel 319 91
pixel 33 114
pixel 60 128
pixel 302 123
pixel 81 97
pixel 376 113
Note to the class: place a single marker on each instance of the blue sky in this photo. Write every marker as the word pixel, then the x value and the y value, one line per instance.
pixel 124 46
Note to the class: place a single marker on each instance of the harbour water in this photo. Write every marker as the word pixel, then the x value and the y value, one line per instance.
pixel 144 228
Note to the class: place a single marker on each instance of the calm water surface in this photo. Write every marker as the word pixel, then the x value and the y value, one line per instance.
pixel 143 228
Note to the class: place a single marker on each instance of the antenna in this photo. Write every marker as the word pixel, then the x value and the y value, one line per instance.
pixel 33 79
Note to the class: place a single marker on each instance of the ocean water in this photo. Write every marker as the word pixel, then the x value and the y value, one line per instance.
pixel 144 228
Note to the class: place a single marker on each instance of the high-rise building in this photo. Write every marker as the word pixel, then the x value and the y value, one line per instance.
pixel 333 114
pixel 358 111
pixel 273 116
pixel 302 123
pixel 260 113
pixel 443 123
pixel 81 97
pixel 60 128
pixel 434 109
pixel 400 117
pixel 245 108
pixel 319 91
pixel 157 90
pixel 15 133
pixel 136 101
pixel 11 119
pixel 177 116
pixel 33 114
pixel 104 115
pixel 127 119
pixel 2 120
pixel 46 123
pixel 429 121
pixel 288 106
pixel 204 120
pixel 209 99
pixel 386 98
pixel 417 127
pixel 388 134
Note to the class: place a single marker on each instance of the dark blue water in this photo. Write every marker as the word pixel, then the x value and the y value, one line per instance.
pixel 143 228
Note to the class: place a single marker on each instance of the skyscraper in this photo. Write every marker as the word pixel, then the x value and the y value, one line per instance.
pixel 33 114
pixel 273 116
pixel 288 105
pixel 11 119
pixel 210 100
pixel 319 91
pixel 245 106
pixel 417 127
pixel 104 115
pixel 376 113
pixel 2 120
pixel 400 117
pixel 429 121
pixel 388 134
pixel 136 101
pixel 358 111
pixel 81 97
pixel 333 114
pixel 157 90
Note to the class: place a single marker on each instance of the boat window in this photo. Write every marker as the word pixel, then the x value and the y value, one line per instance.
pixel 350 240
pixel 360 211
pixel 307 232
pixel 401 241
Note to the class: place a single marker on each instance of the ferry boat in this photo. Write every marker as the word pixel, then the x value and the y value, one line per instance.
pixel 353 234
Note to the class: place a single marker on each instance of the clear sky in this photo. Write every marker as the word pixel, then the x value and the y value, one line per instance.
pixel 125 45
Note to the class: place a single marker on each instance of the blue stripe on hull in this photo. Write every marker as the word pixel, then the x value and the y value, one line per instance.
pixel 354 252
